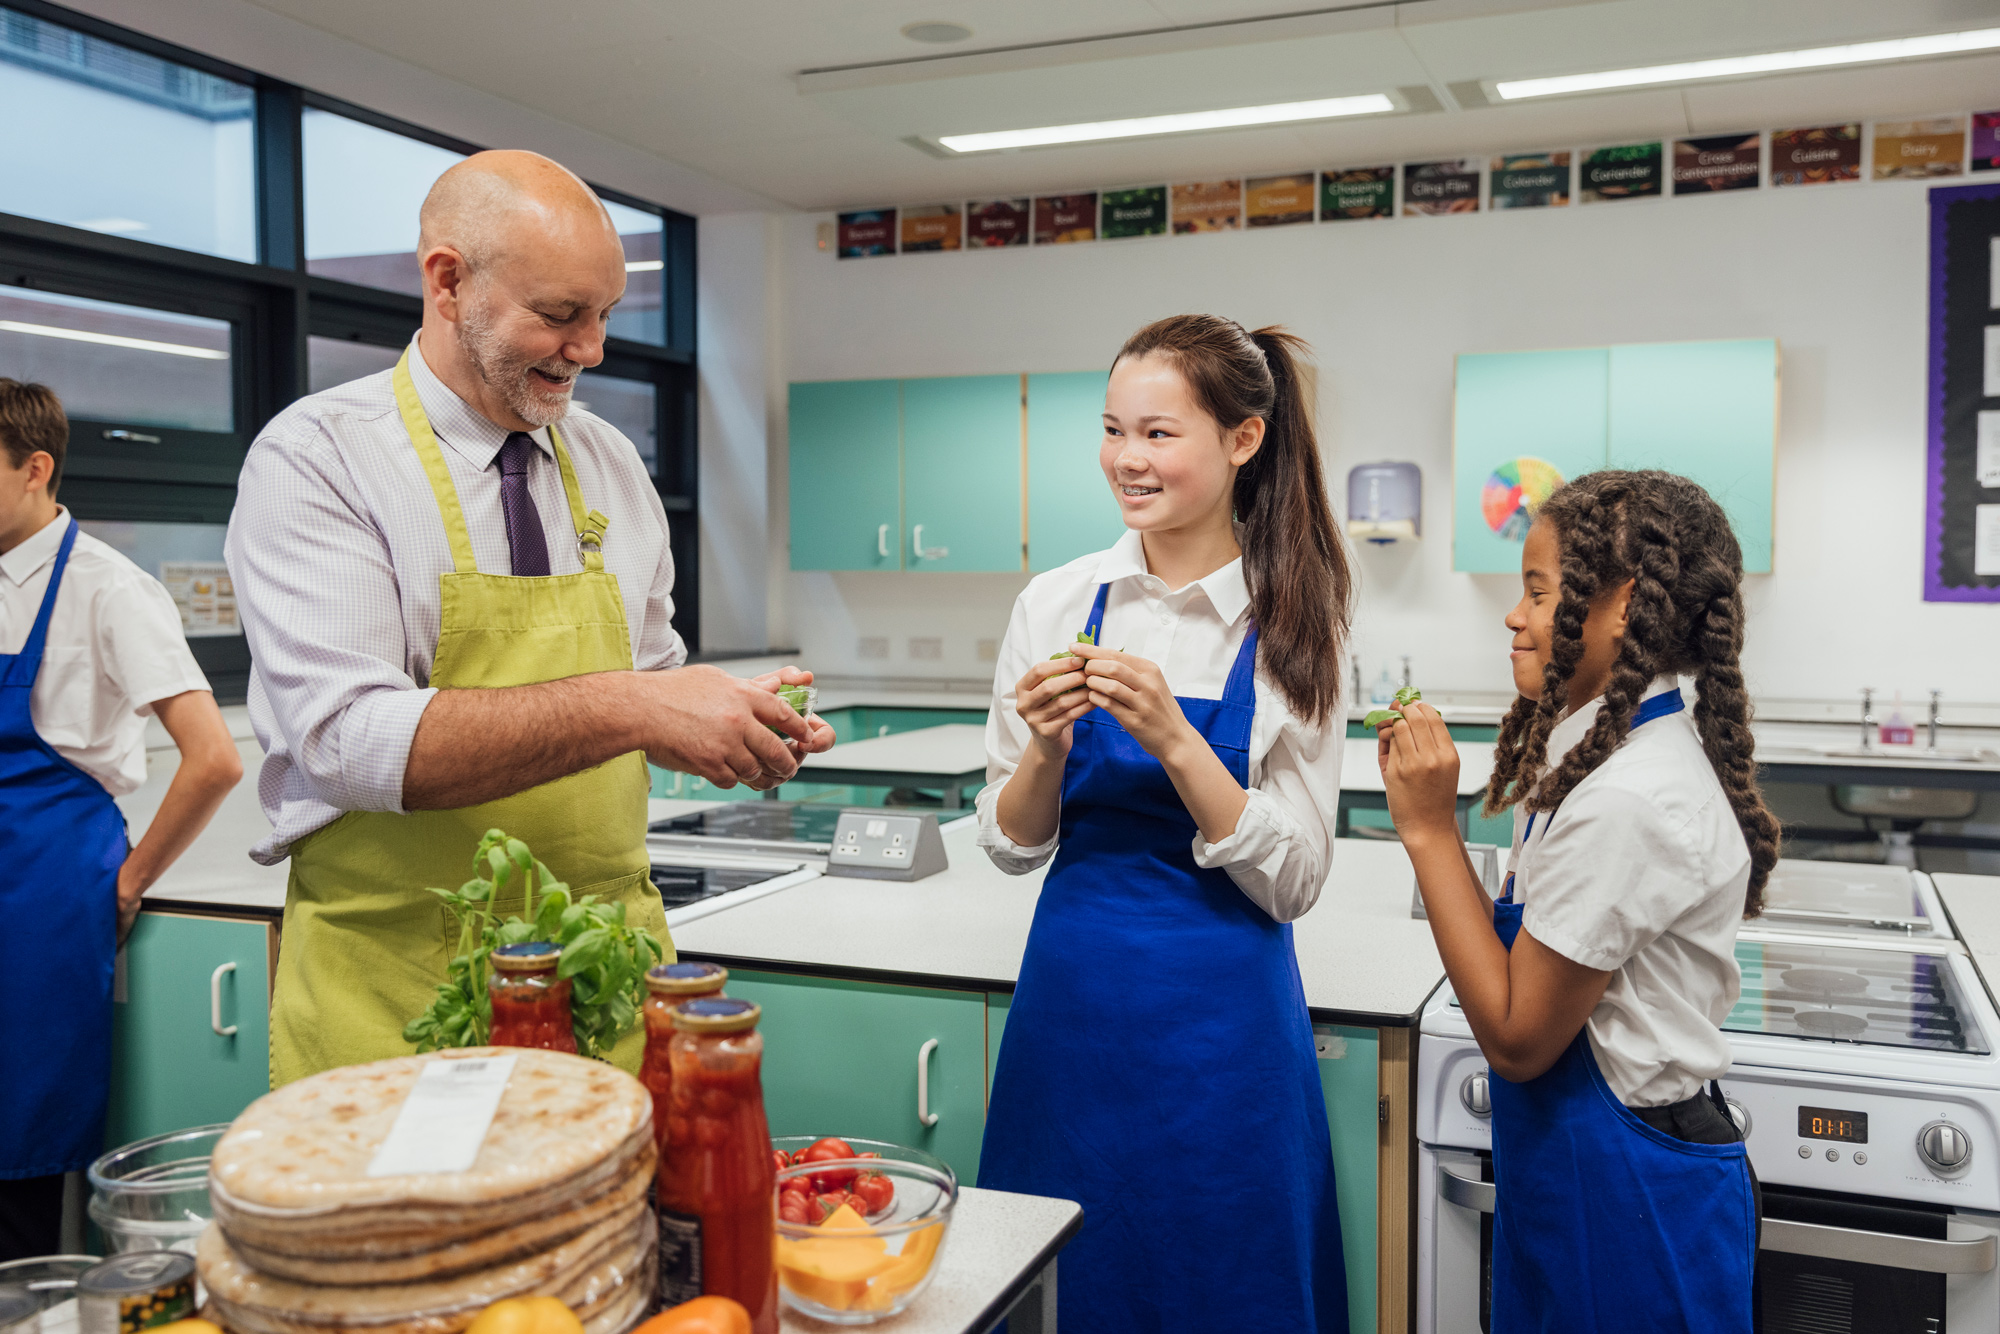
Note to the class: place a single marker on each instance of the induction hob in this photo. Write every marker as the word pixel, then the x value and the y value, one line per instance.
pixel 1861 902
pixel 1868 997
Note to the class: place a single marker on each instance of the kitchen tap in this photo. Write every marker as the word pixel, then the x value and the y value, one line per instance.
pixel 1406 671
pixel 1868 717
pixel 1934 720
pixel 1355 666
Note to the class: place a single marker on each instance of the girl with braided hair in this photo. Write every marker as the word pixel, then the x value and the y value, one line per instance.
pixel 1182 767
pixel 1597 984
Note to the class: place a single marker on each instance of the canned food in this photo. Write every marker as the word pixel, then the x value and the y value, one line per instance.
pixel 19 1311
pixel 135 1291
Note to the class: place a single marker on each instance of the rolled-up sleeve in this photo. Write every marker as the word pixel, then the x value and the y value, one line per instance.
pixel 1006 740
pixel 329 647
pixel 1282 847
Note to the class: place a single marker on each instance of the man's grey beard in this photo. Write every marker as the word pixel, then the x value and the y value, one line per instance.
pixel 506 370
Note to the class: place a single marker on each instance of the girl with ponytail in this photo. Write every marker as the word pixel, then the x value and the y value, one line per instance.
pixel 1180 760
pixel 1597 984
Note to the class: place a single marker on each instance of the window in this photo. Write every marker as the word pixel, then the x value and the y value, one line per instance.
pixel 630 405
pixel 116 141
pixel 364 187
pixel 641 316
pixel 335 361
pixel 123 364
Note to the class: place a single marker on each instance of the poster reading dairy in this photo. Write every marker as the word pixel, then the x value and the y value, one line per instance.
pixel 1919 149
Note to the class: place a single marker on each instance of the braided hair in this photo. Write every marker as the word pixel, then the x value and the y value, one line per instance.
pixel 1673 542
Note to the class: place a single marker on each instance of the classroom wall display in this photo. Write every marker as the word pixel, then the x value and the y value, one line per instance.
pixel 1817 156
pixel 1525 422
pixel 928 227
pixel 996 222
pixel 1063 219
pixel 1906 149
pixel 1434 188
pixel 1986 141
pixel 1529 180
pixel 1716 162
pixel 1279 201
pixel 869 232
pixel 1207 206
pixel 1357 192
pixel 1623 171
pixel 1962 491
pixel 1140 212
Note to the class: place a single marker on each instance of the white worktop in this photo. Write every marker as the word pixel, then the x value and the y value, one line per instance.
pixel 1974 904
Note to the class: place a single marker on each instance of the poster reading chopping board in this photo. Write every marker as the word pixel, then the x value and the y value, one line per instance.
pixel 1357 192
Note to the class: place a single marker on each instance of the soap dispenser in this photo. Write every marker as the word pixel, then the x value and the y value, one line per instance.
pixel 1896 728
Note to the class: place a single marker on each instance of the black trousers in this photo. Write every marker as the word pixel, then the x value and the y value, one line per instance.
pixel 1704 1119
pixel 30 1217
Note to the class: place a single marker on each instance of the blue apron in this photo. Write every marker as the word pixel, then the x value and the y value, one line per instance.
pixel 1158 1066
pixel 1602 1222
pixel 62 840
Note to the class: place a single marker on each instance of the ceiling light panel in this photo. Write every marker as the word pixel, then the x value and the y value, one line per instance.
pixel 1185 122
pixel 1738 67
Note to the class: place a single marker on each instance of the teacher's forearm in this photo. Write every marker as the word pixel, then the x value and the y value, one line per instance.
pixel 1030 807
pixel 1211 794
pixel 481 745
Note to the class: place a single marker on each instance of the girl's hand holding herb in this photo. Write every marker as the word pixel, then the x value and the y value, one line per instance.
pixel 1420 773
pixel 1134 691
pixel 1048 700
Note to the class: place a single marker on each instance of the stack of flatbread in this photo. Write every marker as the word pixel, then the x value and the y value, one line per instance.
pixel 305 1241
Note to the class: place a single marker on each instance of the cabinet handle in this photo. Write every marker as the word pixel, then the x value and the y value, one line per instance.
pixel 924 1112
pixel 882 541
pixel 135 437
pixel 215 1000
pixel 924 552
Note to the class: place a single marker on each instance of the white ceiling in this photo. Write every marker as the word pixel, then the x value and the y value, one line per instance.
pixel 718 87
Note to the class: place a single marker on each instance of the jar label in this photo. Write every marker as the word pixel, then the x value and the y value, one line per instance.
pixel 680 1257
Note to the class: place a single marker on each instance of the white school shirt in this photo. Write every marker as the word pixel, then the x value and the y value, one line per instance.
pixel 335 547
pixel 1283 845
pixel 1641 872
pixel 114 649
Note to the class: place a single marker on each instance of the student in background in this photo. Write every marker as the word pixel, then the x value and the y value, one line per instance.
pixel 89 647
pixel 1597 984
pixel 1183 770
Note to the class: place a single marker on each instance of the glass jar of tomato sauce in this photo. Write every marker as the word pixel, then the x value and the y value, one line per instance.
pixel 716 1182
pixel 530 1004
pixel 667 985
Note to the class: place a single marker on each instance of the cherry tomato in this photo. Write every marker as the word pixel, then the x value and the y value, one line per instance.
pixel 793 1208
pixel 823 1207
pixel 826 1151
pixel 779 1162
pixel 875 1191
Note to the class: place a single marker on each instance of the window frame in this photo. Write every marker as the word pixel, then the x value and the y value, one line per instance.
pixel 274 306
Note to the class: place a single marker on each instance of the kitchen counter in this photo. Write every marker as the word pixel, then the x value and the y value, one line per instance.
pixel 1974 904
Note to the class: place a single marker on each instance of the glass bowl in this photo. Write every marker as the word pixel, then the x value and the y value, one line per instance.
pixel 152 1195
pixel 860 1267
pixel 50 1281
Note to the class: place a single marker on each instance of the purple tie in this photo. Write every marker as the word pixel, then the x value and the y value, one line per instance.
pixel 527 545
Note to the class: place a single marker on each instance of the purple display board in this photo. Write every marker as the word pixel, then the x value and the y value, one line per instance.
pixel 1964 323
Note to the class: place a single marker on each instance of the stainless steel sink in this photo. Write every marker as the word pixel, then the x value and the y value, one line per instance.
pixel 1915 757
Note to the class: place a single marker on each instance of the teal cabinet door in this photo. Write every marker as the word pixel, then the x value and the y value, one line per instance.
pixel 840 1058
pixel 1349 1077
pixel 1071 511
pixel 962 472
pixel 846 475
pixel 170 1068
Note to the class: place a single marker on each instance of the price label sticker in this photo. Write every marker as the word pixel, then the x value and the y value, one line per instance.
pixel 443 1122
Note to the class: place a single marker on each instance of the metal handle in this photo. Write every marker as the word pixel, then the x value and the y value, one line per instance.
pixel 882 541
pixel 1922 1254
pixel 1464 1191
pixel 135 437
pixel 924 1112
pixel 924 552
pixel 215 1000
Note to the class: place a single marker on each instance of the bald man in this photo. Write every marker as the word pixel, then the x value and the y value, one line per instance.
pixel 458 595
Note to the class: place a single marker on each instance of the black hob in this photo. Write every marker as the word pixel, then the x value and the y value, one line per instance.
pixel 758 821
pixel 682 885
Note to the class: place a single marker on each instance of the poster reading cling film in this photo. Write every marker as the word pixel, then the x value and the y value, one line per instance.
pixel 1357 192
pixel 1719 162
pixel 1063 219
pixel 1434 188
pixel 1140 212
pixel 1530 180
pixel 1919 149
pixel 1280 201
pixel 1816 156
pixel 931 227
pixel 1207 206
pixel 996 222
pixel 1625 171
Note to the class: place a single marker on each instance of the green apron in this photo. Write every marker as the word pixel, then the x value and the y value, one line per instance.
pixel 364 945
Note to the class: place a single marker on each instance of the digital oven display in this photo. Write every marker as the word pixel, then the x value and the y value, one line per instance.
pixel 1832 1123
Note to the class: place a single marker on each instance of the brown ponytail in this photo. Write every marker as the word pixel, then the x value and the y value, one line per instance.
pixel 1293 558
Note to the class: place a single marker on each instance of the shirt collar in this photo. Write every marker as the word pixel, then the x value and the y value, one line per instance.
pixel 456 422
pixel 27 559
pixel 1570 728
pixel 1225 588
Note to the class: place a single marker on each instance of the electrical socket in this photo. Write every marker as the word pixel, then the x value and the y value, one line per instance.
pixel 927 649
pixel 872 646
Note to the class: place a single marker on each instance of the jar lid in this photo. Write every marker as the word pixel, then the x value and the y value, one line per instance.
pixel 686 979
pixel 716 1014
pixel 527 957
pixel 137 1271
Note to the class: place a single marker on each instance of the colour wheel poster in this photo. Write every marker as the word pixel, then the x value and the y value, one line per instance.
pixel 1523 424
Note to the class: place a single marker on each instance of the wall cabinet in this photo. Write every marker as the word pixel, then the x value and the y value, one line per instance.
pixel 955 473
pixel 181 978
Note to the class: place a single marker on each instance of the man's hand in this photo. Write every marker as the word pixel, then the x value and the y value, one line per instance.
pixel 822 731
pixel 703 721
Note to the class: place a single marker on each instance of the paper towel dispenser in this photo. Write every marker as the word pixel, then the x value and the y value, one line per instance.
pixel 1385 503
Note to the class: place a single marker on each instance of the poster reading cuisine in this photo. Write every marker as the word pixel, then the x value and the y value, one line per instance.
pixel 1816 156
pixel 868 232
pixel 1986 141
pixel 1433 188
pixel 996 222
pixel 1919 149
pixel 1624 171
pixel 1140 212
pixel 1718 162
pixel 1529 180
pixel 1357 192
pixel 1280 201
pixel 1207 206
pixel 1062 219
pixel 931 227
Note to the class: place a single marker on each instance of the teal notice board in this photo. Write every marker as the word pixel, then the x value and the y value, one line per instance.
pixel 1525 421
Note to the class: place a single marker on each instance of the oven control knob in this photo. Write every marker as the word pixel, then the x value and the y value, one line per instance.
pixel 1740 1115
pixel 1946 1149
pixel 1474 1093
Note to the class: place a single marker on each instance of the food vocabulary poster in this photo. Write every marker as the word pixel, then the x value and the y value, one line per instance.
pixel 1624 171
pixel 1529 180
pixel 1716 162
pixel 1207 206
pixel 1819 155
pixel 996 222
pixel 1140 212
pixel 1280 201
pixel 1434 188
pixel 1919 149
pixel 1357 192
pixel 929 227
pixel 869 232
pixel 1065 219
